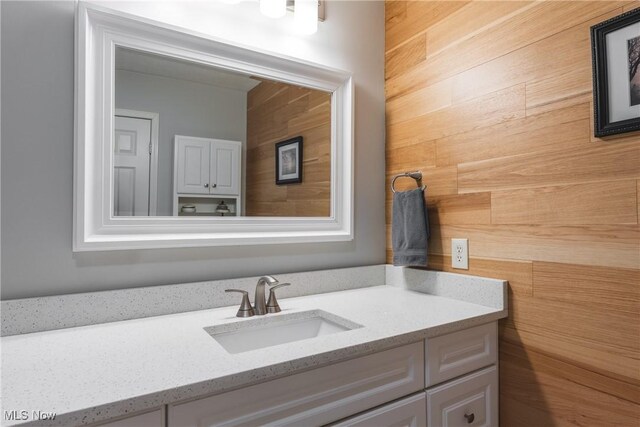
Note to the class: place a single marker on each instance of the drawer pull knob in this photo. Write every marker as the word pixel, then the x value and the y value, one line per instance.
pixel 470 417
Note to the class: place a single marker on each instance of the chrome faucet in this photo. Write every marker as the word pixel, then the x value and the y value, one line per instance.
pixel 260 304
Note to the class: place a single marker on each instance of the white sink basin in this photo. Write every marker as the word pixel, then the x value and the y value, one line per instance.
pixel 270 330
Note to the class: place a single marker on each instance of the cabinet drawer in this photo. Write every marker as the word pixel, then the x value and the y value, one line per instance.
pixel 468 401
pixel 458 353
pixel 312 398
pixel 407 412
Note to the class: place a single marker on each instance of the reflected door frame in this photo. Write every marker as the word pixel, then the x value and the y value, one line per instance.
pixel 153 165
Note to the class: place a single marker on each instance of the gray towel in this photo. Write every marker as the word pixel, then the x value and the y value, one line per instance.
pixel 409 228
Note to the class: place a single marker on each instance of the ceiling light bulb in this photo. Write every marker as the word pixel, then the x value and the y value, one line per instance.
pixel 305 16
pixel 273 8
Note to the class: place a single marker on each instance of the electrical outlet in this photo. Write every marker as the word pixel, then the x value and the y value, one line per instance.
pixel 460 253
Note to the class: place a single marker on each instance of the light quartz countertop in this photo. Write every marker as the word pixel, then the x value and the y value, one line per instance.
pixel 93 373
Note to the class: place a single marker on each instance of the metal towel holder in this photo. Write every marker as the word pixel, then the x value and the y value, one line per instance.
pixel 417 175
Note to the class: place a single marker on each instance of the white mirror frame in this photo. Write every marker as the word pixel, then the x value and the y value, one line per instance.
pixel 98 31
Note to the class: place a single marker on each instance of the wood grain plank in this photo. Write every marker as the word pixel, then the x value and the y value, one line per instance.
pixel 533 24
pixel 614 289
pixel 631 6
pixel 594 203
pixel 586 325
pixel 549 391
pixel 518 273
pixel 262 93
pixel 576 336
pixel 566 231
pixel 470 20
pixel 278 112
pixel 576 165
pixel 411 157
pixel 601 245
pixel 406 56
pixel 550 59
pixel 408 19
pixel 551 131
pixel 460 209
pixel 419 103
pixel 495 108
pixel 572 86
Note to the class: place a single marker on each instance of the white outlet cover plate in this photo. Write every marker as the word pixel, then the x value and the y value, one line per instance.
pixel 460 253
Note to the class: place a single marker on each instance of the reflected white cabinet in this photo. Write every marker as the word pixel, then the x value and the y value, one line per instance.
pixel 207 166
pixel 206 172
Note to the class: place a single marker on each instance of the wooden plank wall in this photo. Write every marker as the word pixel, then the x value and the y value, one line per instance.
pixel 276 112
pixel 493 102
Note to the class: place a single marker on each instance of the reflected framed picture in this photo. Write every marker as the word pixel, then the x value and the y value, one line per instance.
pixel 289 161
pixel 616 74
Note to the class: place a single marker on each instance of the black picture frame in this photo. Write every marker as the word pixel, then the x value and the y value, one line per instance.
pixel 291 171
pixel 603 127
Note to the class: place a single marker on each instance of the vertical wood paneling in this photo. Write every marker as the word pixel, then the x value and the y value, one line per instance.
pixel 497 113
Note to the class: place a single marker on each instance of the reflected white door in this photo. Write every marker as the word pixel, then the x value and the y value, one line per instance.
pixel 131 162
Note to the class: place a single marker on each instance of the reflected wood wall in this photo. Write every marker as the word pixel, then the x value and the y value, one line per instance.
pixel 493 102
pixel 277 112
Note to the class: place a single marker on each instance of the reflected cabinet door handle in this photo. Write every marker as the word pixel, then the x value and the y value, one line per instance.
pixel 206 186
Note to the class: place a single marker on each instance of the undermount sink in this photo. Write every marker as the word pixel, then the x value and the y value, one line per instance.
pixel 268 331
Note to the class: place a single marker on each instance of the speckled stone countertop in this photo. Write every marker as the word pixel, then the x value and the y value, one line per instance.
pixel 96 372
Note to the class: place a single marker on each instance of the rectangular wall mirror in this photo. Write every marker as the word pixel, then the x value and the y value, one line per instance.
pixel 182 140
pixel 197 140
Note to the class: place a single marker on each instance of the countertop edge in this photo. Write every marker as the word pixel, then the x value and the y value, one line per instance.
pixel 144 403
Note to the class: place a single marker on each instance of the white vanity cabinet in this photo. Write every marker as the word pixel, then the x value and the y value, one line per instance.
pixel 208 170
pixel 449 380
pixel 312 398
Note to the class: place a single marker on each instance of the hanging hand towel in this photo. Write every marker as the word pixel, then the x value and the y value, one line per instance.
pixel 409 228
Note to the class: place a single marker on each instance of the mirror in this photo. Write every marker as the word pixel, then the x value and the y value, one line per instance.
pixel 198 140
pixel 183 140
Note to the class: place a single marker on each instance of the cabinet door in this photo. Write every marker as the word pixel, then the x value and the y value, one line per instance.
pixel 468 401
pixel 225 168
pixel 408 412
pixel 193 165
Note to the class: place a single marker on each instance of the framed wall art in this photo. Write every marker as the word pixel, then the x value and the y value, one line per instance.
pixel 616 74
pixel 289 161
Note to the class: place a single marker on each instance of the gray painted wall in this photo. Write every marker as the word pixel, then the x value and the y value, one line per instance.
pixel 185 108
pixel 37 148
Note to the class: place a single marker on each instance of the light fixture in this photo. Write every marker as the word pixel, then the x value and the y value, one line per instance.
pixel 305 16
pixel 273 8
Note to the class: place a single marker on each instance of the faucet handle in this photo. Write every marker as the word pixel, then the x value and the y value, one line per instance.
pixel 245 309
pixel 272 304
